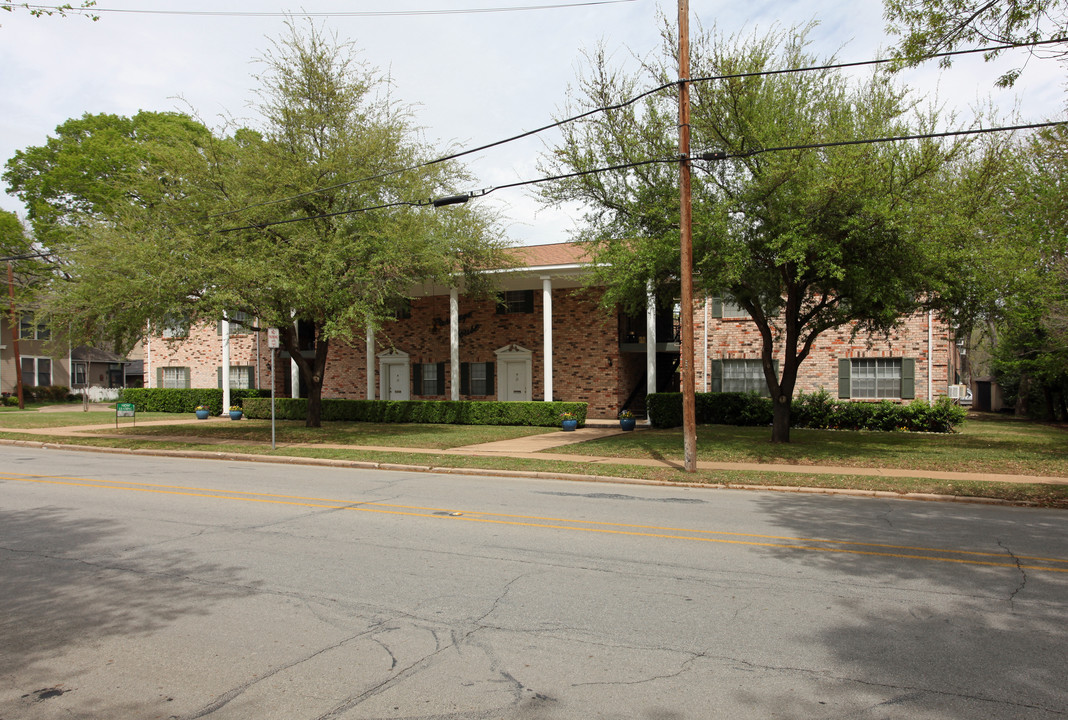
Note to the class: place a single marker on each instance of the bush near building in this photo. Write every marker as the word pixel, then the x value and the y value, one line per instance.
pixel 536 414
pixel 817 410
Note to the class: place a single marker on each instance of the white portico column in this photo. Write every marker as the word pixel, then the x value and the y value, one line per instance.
pixel 547 333
pixel 370 363
pixel 226 365
pixel 454 344
pixel 650 341
pixel 294 369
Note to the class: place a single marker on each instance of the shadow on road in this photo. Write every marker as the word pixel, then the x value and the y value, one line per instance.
pixel 57 592
pixel 946 638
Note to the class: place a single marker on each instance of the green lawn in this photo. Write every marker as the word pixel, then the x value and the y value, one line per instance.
pixel 440 437
pixel 32 419
pixel 986 443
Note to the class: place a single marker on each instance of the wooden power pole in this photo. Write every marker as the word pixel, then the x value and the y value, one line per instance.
pixel 689 413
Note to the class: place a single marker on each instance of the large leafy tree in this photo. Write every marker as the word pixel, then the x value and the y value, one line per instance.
pixel 273 222
pixel 928 27
pixel 805 239
pixel 1028 317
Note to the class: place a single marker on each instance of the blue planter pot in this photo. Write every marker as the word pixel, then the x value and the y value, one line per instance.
pixel 202 414
pixel 235 414
pixel 569 425
pixel 627 423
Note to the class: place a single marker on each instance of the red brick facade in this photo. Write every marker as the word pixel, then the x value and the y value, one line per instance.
pixel 590 362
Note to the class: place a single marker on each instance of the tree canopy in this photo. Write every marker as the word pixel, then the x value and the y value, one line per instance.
pixel 928 27
pixel 805 239
pixel 305 218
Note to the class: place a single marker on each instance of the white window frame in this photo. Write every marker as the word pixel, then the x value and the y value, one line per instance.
pixel 875 378
pixel 744 376
pixel 36 363
pixel 30 329
pixel 177 374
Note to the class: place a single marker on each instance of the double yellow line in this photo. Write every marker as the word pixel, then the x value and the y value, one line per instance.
pixel 909 552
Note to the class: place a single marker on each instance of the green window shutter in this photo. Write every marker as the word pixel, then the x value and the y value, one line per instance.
pixel 417 379
pixel 717 307
pixel 908 378
pixel 844 367
pixel 218 328
pixel 186 373
pixel 441 378
pixel 465 378
pixel 491 389
pixel 159 377
pixel 715 376
pixel 218 376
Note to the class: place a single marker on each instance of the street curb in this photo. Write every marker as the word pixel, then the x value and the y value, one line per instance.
pixel 535 474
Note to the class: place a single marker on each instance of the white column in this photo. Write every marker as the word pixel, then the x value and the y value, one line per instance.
pixel 704 372
pixel 294 369
pixel 370 363
pixel 547 333
pixel 226 365
pixel 930 357
pixel 454 344
pixel 650 341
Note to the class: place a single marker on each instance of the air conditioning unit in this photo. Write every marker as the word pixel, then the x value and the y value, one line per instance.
pixel 955 391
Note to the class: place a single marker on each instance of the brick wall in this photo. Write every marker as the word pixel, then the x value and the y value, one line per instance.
pixel 738 339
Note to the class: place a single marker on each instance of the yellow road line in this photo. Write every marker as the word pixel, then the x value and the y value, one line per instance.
pixel 594 526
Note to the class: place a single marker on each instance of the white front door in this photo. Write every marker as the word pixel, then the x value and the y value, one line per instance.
pixel 397 386
pixel 516 374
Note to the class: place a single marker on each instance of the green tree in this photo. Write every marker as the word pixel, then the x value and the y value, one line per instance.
pixel 268 222
pixel 1029 313
pixel 805 239
pixel 928 27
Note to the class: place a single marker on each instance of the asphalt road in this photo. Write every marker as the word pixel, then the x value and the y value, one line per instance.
pixel 136 587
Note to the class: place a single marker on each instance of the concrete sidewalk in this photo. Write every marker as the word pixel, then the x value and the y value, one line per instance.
pixel 534 447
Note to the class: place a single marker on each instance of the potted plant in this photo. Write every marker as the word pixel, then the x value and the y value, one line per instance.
pixel 568 421
pixel 235 412
pixel 203 411
pixel 626 420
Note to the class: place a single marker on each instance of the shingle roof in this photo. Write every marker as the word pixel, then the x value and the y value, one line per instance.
pixel 554 254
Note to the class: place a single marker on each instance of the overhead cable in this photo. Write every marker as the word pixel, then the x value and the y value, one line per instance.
pixel 609 108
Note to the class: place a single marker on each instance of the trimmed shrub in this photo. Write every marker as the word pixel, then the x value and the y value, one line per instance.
pixel 172 400
pixel 665 409
pixel 536 414
pixel 818 410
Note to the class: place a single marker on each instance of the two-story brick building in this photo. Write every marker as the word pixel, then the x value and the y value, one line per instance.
pixel 545 337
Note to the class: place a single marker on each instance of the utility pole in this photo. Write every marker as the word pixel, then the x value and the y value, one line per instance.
pixel 15 334
pixel 689 412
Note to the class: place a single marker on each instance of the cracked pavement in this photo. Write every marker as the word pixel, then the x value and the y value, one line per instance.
pixel 145 590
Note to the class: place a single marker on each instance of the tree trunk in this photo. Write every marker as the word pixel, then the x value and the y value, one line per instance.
pixel 315 376
pixel 780 424
pixel 1020 409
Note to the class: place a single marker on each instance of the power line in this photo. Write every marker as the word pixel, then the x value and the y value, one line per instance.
pixel 351 13
pixel 708 156
pixel 617 106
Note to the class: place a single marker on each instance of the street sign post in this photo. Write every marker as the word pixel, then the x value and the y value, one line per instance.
pixel 272 344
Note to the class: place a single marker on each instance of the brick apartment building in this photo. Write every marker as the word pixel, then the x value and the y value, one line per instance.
pixel 545 337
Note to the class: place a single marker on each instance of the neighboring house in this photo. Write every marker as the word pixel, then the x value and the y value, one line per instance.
pixel 46 360
pixel 93 367
pixel 42 360
pixel 546 338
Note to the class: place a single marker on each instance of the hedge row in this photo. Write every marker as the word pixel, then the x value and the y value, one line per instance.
pixel 172 400
pixel 538 414
pixel 818 410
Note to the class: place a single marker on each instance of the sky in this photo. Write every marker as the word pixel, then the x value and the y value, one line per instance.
pixel 473 77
